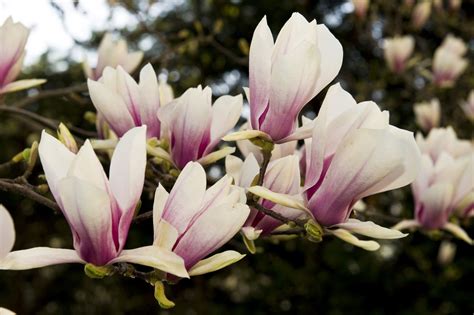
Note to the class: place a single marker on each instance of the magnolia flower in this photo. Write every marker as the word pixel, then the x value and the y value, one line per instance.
pixel 195 127
pixel 397 51
pixel 123 103
pixel 353 153
pixel 360 7
pixel 194 222
pixel 99 210
pixel 287 74
pixel 441 140
pixel 428 114
pixel 448 63
pixel 282 176
pixel 468 106
pixel 112 54
pixel 420 14
pixel 13 37
pixel 440 188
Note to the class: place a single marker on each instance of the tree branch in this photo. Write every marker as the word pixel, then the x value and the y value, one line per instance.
pixel 9 185
pixel 50 93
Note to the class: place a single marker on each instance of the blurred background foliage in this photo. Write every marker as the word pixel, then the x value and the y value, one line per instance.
pixel 206 42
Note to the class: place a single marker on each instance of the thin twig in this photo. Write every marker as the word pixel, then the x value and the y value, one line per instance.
pixel 276 215
pixel 50 93
pixel 143 217
pixel 48 122
pixel 9 185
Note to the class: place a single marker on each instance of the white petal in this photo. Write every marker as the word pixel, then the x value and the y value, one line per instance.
pixel 39 257
pixel 370 229
pixel 21 85
pixel 150 99
pixel 186 196
pixel 225 114
pixel 87 209
pixel 259 70
pixel 245 135
pixel 281 199
pixel 111 106
pixel 7 232
pixel 161 195
pixel 457 231
pixel 351 239
pixel 233 167
pixel 250 170
pixel 55 159
pixel 251 233
pixel 155 257
pixel 86 166
pixel 4 311
pixel 212 229
pixel 127 168
pixel 215 262
pixel 406 224
pixel 331 57
pixel 216 155
pixel 165 235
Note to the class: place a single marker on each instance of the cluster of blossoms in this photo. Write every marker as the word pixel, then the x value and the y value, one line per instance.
pixel 350 151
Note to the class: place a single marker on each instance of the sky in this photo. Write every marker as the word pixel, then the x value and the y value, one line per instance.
pixel 48 31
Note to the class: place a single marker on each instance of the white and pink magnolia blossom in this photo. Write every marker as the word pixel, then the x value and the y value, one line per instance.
pixel 397 51
pixel 194 222
pixel 282 176
pixel 442 187
pixel 99 210
pixel 124 103
pixel 468 106
pixel 112 54
pixel 360 7
pixel 286 74
pixel 420 14
pixel 195 126
pixel 354 153
pixel 428 114
pixel 448 61
pixel 441 140
pixel 13 37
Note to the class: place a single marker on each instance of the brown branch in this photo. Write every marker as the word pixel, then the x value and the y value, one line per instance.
pixel 50 93
pixel 276 215
pixel 9 185
pixel 47 122
pixel 143 217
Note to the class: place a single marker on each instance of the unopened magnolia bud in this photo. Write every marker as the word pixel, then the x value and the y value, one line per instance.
pixel 264 144
pixel 90 117
pixel 154 142
pixel 42 189
pixel 98 272
pixel 314 231
pixel 160 296
pixel 67 138
pixel 250 244
pixel 33 154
